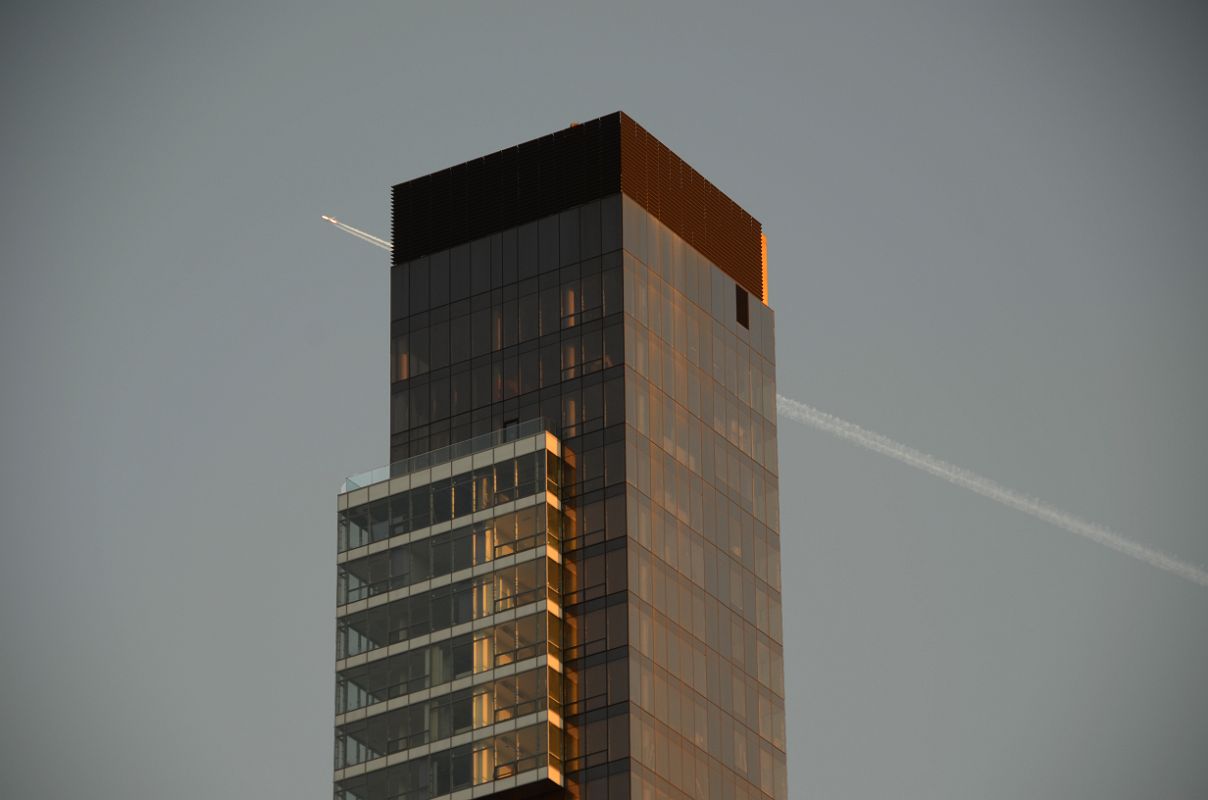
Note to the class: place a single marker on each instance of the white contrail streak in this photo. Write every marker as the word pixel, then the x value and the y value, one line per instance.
pixel 360 234
pixel 807 415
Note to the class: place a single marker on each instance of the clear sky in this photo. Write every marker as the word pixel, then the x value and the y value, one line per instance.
pixel 987 239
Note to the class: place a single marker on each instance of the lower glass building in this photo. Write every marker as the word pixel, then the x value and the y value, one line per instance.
pixel 449 621
pixel 567 583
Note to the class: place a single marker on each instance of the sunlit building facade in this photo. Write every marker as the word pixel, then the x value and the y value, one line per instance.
pixel 567 582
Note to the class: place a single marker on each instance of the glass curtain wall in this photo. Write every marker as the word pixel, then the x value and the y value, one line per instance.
pixel 706 666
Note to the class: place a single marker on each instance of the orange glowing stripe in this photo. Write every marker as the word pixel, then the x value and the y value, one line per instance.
pixel 763 246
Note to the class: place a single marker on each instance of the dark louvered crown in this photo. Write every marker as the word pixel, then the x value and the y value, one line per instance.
pixel 574 166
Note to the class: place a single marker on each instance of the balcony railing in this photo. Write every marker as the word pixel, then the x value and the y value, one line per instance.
pixel 448 453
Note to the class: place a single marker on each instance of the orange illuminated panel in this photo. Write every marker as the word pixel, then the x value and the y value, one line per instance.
pixel 763 247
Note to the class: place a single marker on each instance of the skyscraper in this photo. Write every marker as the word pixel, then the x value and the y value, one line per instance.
pixel 567 581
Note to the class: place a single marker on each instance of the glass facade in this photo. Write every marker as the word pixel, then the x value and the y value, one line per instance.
pixel 596 611
pixel 522 324
pixel 706 666
pixel 449 623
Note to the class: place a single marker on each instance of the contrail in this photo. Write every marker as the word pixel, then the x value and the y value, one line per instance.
pixel 360 234
pixel 808 415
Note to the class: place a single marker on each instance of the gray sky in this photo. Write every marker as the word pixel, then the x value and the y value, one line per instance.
pixel 987 239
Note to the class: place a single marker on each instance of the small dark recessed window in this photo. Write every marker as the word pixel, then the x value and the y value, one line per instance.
pixel 742 310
